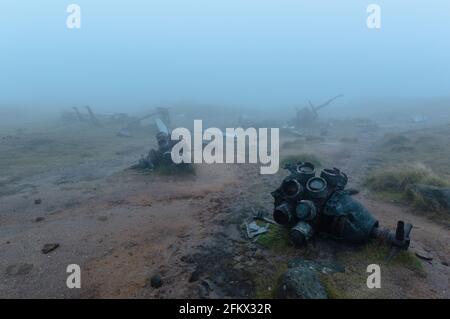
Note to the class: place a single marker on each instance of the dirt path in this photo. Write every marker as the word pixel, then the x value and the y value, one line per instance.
pixel 427 239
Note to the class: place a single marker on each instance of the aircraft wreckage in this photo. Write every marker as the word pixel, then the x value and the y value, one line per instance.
pixel 161 157
pixel 307 116
pixel 308 204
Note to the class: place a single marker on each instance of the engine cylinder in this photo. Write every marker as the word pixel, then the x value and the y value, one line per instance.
pixel 291 188
pixel 317 188
pixel 335 178
pixel 306 210
pixel 283 214
pixel 305 171
pixel 301 233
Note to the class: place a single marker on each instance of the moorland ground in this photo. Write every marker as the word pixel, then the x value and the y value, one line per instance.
pixel 70 185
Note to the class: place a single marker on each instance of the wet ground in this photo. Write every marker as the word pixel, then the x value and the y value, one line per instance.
pixel 72 187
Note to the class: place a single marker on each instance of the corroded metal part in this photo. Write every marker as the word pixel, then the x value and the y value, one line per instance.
pixel 324 206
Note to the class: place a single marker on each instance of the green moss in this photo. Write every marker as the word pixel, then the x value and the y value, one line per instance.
pixel 376 253
pixel 332 287
pixel 267 285
pixel 352 283
pixel 301 158
pixel 410 261
pixel 277 238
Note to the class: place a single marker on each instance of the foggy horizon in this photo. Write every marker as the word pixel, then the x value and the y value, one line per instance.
pixel 257 54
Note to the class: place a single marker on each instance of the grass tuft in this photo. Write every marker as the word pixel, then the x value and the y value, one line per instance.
pixel 277 239
pixel 377 252
pixel 302 158
pixel 398 179
pixel 352 283
pixel 331 286
pixel 394 184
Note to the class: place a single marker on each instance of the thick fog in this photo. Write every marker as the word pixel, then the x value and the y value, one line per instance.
pixel 132 55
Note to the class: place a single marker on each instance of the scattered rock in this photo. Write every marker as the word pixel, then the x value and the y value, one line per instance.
pixel 37 201
pixel 259 254
pixel 19 269
pixel 39 219
pixel 301 283
pixel 195 275
pixel 156 281
pixel 423 254
pixel 325 267
pixel 49 248
pixel 238 266
pixel 130 244
pixel 301 280
pixel 207 284
pixel 202 292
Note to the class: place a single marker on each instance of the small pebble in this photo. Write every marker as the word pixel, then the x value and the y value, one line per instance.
pixel 156 281
pixel 49 248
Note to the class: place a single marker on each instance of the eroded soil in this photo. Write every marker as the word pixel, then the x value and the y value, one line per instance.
pixel 122 227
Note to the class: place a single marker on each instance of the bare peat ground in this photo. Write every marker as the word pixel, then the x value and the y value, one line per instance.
pixel 123 227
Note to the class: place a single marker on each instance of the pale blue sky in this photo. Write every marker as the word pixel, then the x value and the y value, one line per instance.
pixel 228 52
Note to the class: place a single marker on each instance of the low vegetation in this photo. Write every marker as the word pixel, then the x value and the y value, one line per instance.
pixel 398 179
pixel 277 239
pixel 429 146
pixel 397 183
pixel 267 284
pixel 352 283
pixel 301 158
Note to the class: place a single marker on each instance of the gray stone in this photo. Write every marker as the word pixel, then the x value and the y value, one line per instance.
pixel 302 281
pixel 156 281
pixel 49 248
pixel 195 275
pixel 325 267
pixel 424 255
pixel 19 269
pixel 102 218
